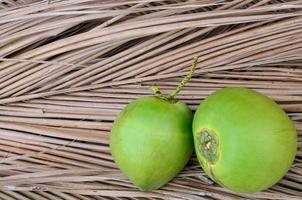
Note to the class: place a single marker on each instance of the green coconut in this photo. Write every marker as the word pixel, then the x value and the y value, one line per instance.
pixel 243 140
pixel 151 140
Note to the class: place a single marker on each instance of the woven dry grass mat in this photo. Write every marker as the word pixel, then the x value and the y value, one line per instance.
pixel 67 68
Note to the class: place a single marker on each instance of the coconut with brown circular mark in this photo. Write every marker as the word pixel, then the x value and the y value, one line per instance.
pixel 243 140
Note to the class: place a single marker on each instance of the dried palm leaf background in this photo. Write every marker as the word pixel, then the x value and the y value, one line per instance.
pixel 67 68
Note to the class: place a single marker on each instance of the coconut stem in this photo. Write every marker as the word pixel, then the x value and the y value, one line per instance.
pixel 185 80
pixel 157 92
pixel 170 97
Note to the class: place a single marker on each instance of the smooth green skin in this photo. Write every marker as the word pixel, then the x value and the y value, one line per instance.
pixel 151 141
pixel 257 140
